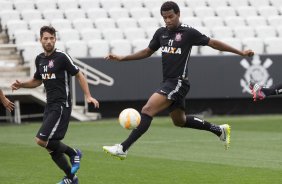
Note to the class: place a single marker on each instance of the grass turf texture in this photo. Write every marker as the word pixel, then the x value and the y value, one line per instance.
pixel 164 155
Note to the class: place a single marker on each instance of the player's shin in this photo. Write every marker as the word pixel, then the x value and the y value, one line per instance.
pixel 137 132
pixel 62 163
pixel 197 123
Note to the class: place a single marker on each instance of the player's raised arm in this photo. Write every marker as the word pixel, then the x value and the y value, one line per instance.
pixel 6 102
pixel 218 45
pixel 85 88
pixel 135 56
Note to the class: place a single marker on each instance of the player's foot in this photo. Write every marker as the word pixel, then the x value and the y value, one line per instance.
pixel 66 180
pixel 75 161
pixel 116 151
pixel 258 94
pixel 225 135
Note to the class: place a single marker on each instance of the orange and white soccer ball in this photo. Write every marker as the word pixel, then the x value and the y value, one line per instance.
pixel 129 118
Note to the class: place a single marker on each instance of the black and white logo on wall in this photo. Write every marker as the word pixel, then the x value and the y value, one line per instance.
pixel 256 71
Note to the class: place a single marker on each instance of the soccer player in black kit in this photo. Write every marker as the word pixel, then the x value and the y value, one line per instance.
pixel 260 92
pixel 175 41
pixel 54 69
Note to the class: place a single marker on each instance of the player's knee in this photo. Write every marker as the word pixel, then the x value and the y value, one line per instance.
pixel 147 110
pixel 40 142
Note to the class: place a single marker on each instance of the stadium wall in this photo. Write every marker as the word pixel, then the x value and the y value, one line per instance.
pixel 217 77
pixel 219 84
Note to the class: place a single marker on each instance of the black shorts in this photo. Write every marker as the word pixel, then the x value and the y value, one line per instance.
pixel 55 122
pixel 175 90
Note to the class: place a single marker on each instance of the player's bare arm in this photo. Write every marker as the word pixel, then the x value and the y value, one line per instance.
pixel 84 86
pixel 218 45
pixel 6 102
pixel 135 56
pixel 33 83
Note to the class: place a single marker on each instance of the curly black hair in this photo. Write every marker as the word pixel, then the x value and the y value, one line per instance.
pixel 170 5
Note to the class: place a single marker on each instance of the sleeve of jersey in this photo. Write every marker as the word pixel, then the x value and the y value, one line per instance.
pixel 36 73
pixel 70 66
pixel 199 38
pixel 155 42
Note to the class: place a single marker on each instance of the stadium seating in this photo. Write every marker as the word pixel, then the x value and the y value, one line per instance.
pixel 6 5
pixel 98 48
pixel 73 14
pixel 96 13
pixel 242 32
pixel 222 32
pixel 67 4
pixel 273 45
pixel 51 14
pixel 21 5
pixel 225 11
pixel 88 4
pixel 105 21
pixel 120 47
pixel 90 34
pixel 140 44
pixel 134 33
pixel 112 34
pixel 128 4
pixel 77 48
pixel 82 23
pixel 124 23
pixel 42 5
pixel 116 13
pixel 65 35
pixel 14 25
pixel 31 14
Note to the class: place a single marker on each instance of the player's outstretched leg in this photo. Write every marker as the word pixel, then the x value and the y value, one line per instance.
pixel 75 161
pixel 258 94
pixel 225 135
pixel 116 151
pixel 67 180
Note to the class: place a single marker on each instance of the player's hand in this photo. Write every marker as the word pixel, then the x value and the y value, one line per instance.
pixel 8 104
pixel 93 100
pixel 113 57
pixel 248 53
pixel 16 85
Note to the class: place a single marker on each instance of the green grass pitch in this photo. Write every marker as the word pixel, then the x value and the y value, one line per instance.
pixel 164 155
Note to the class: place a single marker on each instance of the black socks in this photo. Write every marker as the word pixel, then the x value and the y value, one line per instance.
pixel 197 123
pixel 58 149
pixel 62 162
pixel 137 132
pixel 277 90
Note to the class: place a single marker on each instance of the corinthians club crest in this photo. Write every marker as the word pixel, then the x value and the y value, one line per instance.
pixel 256 71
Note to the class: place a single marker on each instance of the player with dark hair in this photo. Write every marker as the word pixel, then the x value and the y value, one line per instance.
pixel 260 92
pixel 54 68
pixel 6 102
pixel 176 41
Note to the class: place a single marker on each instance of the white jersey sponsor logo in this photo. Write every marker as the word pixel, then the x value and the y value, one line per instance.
pixel 171 50
pixel 46 76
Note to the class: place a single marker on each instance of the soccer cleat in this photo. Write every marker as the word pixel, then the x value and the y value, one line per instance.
pixel 258 94
pixel 66 180
pixel 75 161
pixel 116 151
pixel 225 135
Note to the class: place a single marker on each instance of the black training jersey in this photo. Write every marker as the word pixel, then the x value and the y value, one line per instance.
pixel 176 46
pixel 55 72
